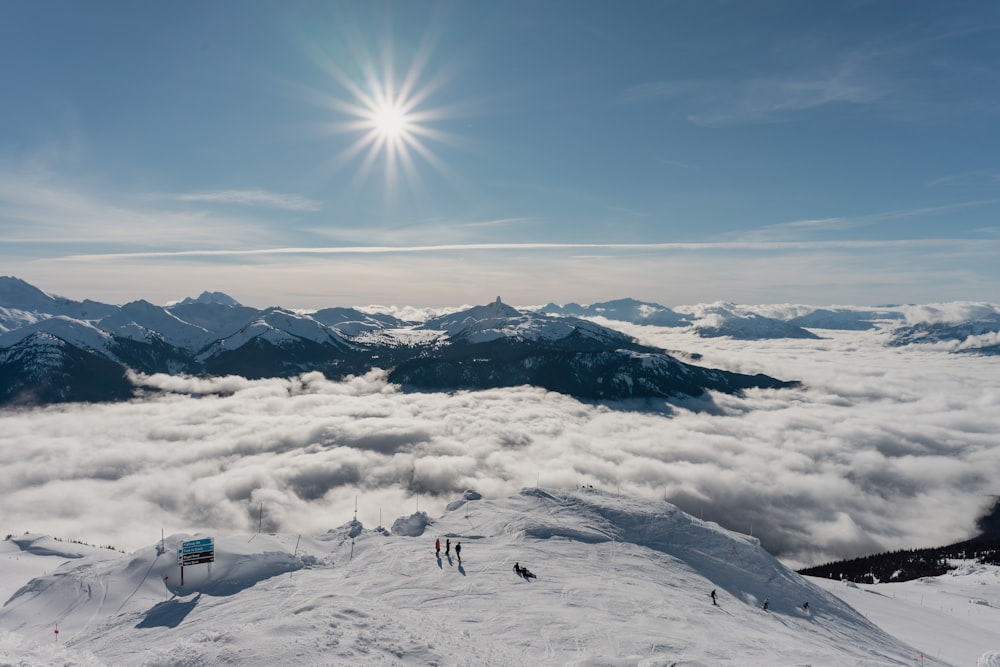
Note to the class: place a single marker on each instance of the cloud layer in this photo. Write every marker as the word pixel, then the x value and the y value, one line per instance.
pixel 881 448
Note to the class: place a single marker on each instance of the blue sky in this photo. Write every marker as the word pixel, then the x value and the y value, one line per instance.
pixel 684 151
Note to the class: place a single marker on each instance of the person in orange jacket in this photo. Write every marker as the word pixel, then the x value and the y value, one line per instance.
pixel 437 547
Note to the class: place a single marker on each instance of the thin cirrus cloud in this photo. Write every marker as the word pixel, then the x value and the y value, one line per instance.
pixel 252 197
pixel 749 245
pixel 46 212
pixel 45 209
pixel 786 231
pixel 721 102
pixel 880 448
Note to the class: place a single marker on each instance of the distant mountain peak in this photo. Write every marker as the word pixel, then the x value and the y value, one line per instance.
pixel 16 293
pixel 211 297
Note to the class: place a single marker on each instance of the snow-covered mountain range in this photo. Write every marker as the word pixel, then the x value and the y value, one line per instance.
pixel 620 581
pixel 56 350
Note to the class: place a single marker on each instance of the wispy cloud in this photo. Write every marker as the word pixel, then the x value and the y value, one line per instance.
pixel 678 164
pixel 976 177
pixel 740 245
pixel 499 222
pixel 723 101
pixel 252 197
pixel 41 209
pixel 784 230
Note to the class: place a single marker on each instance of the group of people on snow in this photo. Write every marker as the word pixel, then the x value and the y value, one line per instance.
pixel 766 606
pixel 520 571
pixel 447 548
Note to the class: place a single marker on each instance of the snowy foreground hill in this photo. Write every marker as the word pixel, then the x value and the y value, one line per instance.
pixel 621 581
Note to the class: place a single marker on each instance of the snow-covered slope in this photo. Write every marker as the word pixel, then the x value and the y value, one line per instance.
pixel 620 581
pixel 846 319
pixel 143 321
pixel 277 327
pixel 353 322
pixel 727 319
pixel 625 310
pixel 20 295
pixel 978 333
pixel 497 320
pixel 78 333
pixel 954 617
pixel 210 297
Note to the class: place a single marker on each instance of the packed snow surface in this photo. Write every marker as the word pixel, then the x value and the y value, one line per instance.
pixel 620 581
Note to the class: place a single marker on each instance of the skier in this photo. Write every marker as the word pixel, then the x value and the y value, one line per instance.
pixel 805 606
pixel 766 604
pixel 517 569
pixel 458 551
pixel 437 547
pixel 713 598
pixel 447 547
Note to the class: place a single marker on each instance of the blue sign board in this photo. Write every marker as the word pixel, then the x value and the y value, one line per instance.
pixel 196 546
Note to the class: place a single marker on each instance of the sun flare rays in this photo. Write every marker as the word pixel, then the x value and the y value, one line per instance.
pixel 390 117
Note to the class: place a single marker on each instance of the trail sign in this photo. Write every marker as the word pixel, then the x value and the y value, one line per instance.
pixel 196 552
pixel 194 546
pixel 196 559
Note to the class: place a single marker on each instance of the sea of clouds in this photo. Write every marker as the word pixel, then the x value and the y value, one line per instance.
pixel 879 448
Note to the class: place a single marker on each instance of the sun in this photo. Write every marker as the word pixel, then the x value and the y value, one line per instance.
pixel 393 124
pixel 390 121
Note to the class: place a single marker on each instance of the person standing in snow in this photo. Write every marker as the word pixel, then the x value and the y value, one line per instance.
pixel 766 604
pixel 447 547
pixel 458 551
pixel 517 569
pixel 437 547
pixel 713 598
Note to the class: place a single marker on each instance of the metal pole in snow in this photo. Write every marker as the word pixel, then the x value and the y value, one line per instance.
pixel 260 518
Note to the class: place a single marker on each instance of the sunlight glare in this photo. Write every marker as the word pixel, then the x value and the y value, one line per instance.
pixel 393 125
pixel 390 121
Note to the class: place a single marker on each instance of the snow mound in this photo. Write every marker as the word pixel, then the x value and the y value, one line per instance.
pixel 466 497
pixel 411 526
pixel 43 545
